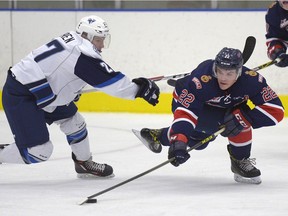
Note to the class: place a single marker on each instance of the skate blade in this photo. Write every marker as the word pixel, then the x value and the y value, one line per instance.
pixel 245 180
pixel 91 176
pixel 138 135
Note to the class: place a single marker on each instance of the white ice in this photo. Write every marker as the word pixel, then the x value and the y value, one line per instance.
pixel 202 186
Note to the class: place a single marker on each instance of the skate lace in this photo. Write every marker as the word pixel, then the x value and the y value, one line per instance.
pixel 93 166
pixel 154 135
pixel 247 164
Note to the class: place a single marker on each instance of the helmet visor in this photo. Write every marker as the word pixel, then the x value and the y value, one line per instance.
pixel 107 41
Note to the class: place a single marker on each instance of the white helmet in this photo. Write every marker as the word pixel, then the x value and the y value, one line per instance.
pixel 94 26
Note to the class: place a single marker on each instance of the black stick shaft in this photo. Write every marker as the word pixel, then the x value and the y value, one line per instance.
pixel 156 167
pixel 131 179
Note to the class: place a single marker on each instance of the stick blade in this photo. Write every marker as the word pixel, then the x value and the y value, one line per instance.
pixel 248 48
pixel 83 202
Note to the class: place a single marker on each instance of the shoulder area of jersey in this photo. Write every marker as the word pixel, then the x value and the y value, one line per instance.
pixel 252 76
pixel 200 80
pixel 70 38
pixel 203 71
pixel 250 73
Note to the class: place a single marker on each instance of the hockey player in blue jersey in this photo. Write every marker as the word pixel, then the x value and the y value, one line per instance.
pixel 277 32
pixel 41 88
pixel 213 96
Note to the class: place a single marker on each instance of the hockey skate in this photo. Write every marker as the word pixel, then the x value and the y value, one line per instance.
pixel 89 168
pixel 244 170
pixel 150 138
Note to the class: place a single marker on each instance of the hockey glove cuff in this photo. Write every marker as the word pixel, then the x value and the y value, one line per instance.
pixel 148 90
pixel 235 122
pixel 178 150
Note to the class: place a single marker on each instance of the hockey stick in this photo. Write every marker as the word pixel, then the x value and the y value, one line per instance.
pixel 172 82
pixel 247 52
pixel 155 79
pixel 248 48
pixel 267 64
pixel 90 199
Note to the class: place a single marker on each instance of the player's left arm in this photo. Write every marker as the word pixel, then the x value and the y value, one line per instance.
pixel 268 108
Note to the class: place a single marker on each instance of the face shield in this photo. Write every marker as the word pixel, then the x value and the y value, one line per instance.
pixel 107 41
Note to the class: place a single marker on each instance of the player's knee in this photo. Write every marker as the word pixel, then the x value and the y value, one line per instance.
pixel 37 154
pixel 74 128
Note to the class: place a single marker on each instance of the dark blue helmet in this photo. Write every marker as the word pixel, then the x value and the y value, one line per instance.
pixel 229 59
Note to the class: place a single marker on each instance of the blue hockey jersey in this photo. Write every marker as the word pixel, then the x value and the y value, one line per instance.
pixel 201 89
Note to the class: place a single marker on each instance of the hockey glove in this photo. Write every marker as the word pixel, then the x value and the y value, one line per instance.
pixel 235 122
pixel 148 90
pixel 178 150
pixel 278 51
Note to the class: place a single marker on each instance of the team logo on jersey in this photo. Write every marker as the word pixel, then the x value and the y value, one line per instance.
pixel 205 78
pixel 251 73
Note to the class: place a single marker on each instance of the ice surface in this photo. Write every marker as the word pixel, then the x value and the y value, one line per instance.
pixel 202 186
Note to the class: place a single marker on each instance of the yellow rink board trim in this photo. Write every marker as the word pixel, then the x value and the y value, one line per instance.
pixel 101 102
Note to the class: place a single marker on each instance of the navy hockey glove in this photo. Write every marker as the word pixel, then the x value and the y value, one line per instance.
pixel 148 90
pixel 235 122
pixel 178 150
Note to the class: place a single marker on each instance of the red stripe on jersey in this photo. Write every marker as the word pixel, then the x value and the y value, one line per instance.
pixel 180 113
pixel 178 137
pixel 277 113
pixel 242 138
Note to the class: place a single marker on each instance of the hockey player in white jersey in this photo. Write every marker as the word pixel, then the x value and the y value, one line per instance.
pixel 41 89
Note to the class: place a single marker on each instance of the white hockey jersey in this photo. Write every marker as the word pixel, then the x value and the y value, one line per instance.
pixel 56 72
